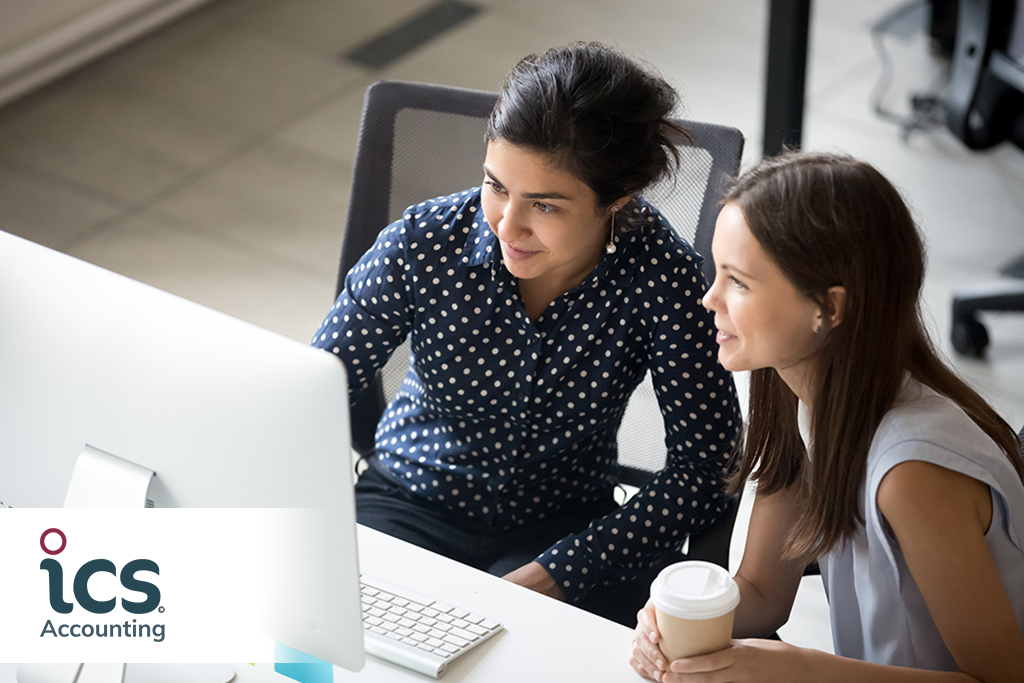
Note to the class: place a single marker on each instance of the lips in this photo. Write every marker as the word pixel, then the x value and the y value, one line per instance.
pixel 723 337
pixel 517 254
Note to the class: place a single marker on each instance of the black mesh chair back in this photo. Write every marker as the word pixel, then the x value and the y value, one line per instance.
pixel 418 141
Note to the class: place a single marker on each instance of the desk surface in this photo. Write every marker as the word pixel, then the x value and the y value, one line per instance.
pixel 544 640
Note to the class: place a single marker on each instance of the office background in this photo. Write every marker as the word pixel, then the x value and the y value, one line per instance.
pixel 212 158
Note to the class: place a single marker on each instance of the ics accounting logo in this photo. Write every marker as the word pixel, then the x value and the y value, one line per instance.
pixel 53 542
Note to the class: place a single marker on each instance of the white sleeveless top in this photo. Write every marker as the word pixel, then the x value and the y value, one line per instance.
pixel 878 614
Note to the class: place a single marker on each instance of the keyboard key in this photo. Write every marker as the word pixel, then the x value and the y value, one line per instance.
pixel 430 612
pixel 408 623
pixel 473 628
pixel 458 613
pixel 421 628
pixel 441 607
pixel 419 637
pixel 445 618
pixel 489 624
pixel 399 601
pixel 461 633
pixel 448 647
pixel 434 642
pixel 473 618
pixel 404 632
pixel 455 640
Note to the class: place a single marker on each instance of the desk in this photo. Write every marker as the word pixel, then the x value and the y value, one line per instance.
pixel 544 640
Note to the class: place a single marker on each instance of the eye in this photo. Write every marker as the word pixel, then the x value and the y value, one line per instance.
pixel 736 283
pixel 545 208
pixel 495 187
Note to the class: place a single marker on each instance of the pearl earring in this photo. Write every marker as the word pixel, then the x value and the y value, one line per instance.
pixel 610 247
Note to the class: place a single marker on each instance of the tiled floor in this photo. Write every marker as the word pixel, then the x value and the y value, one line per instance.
pixel 213 158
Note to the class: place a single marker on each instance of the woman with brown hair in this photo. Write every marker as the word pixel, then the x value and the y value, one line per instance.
pixel 871 456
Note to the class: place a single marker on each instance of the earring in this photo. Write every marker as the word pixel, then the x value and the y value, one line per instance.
pixel 610 247
pixel 819 328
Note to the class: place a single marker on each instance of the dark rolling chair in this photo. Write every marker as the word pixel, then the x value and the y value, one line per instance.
pixel 985 107
pixel 418 141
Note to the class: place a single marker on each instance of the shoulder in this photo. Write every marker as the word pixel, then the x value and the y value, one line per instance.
pixel 921 417
pixel 444 213
pixel 659 255
pixel 443 229
pixel 915 492
pixel 929 454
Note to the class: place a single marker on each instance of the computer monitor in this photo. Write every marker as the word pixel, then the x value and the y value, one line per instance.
pixel 227 415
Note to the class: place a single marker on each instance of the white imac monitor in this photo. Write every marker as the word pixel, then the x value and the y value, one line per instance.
pixel 227 415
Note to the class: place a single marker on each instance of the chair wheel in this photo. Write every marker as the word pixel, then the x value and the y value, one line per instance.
pixel 969 337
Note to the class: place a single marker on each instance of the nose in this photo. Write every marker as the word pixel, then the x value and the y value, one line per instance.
pixel 511 226
pixel 712 299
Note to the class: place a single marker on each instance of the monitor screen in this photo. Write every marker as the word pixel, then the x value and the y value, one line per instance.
pixel 227 414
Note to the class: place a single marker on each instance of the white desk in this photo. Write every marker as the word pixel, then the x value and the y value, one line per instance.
pixel 544 640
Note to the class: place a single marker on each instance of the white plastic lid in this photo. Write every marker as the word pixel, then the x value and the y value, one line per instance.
pixel 695 590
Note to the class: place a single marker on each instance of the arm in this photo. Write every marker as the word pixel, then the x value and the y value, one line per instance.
pixel 767 582
pixel 374 312
pixel 701 416
pixel 939 518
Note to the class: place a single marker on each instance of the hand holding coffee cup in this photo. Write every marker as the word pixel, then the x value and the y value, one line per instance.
pixel 694 603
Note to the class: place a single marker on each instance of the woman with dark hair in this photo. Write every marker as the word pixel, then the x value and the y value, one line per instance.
pixel 871 456
pixel 534 306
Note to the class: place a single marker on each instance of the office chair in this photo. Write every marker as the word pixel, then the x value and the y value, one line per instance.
pixel 985 106
pixel 418 141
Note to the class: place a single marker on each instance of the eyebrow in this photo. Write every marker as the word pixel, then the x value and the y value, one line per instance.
pixel 529 195
pixel 726 266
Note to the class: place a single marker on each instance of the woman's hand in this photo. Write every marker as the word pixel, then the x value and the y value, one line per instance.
pixel 535 577
pixel 646 659
pixel 747 661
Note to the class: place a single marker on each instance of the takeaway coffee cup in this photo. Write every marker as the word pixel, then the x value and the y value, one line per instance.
pixel 693 605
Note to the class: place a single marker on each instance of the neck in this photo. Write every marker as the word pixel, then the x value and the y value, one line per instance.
pixel 538 292
pixel 799 379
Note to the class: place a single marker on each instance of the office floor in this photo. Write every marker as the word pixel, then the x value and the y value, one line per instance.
pixel 213 158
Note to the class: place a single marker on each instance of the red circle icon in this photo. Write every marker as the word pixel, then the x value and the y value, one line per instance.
pixel 63 541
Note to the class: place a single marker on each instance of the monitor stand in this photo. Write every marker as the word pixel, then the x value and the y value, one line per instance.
pixel 102 480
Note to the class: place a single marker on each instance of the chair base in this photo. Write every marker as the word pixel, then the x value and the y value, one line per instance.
pixel 968 334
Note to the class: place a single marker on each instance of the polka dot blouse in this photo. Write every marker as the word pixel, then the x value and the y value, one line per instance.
pixel 505 421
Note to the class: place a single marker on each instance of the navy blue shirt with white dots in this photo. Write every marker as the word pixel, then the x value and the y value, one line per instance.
pixel 505 421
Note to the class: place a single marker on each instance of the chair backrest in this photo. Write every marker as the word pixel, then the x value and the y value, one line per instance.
pixel 418 141
pixel 985 103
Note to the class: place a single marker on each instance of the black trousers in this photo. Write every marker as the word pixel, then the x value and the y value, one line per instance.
pixel 383 505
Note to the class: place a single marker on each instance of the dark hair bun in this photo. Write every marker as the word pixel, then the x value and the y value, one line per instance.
pixel 600 114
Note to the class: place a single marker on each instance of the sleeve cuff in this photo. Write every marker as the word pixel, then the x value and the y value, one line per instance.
pixel 569 565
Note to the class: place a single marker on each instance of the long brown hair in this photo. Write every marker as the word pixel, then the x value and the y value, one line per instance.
pixel 830 220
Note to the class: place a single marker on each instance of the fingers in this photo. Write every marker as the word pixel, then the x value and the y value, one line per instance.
pixel 643 664
pixel 646 624
pixel 704 665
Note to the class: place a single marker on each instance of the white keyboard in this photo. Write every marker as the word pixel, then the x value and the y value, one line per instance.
pixel 418 632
